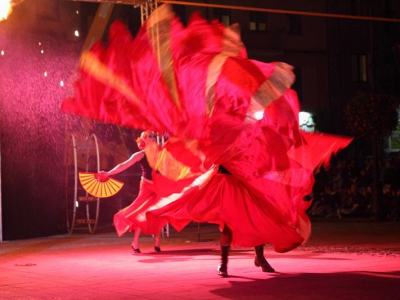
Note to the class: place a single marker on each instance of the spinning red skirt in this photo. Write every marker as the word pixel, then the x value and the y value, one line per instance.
pixel 197 85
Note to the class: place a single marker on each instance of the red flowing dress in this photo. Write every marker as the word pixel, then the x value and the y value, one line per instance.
pixel 197 84
pixel 152 190
pixel 134 216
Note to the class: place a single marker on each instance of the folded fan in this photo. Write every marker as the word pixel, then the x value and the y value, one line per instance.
pixel 98 186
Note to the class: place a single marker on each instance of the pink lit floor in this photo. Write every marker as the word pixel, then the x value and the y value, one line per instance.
pixel 341 261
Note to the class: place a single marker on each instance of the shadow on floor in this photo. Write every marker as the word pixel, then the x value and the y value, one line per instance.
pixel 343 286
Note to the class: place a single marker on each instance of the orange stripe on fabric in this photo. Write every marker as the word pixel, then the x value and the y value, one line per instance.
pixel 158 28
pixel 231 47
pixel 94 67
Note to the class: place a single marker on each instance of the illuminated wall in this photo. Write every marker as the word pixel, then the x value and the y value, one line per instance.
pixel 36 66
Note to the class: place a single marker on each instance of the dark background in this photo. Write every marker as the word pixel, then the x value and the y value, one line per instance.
pixel 334 60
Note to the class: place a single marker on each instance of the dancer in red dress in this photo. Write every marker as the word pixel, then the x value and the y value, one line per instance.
pixel 131 218
pixel 153 186
pixel 197 84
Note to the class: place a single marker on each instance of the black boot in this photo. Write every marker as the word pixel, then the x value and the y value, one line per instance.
pixel 223 267
pixel 260 260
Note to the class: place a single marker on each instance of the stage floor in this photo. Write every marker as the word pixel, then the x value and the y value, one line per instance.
pixel 345 260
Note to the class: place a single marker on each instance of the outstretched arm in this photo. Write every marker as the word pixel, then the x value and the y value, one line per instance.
pixel 135 157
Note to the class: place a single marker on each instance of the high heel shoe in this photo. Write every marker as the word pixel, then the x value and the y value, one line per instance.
pixel 157 249
pixel 265 266
pixel 136 250
pixel 223 267
pixel 223 270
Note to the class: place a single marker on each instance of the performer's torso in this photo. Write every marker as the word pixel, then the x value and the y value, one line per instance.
pixel 145 168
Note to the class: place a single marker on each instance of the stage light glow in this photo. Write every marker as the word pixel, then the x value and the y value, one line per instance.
pixel 41 51
pixel 61 83
pixel 306 121
pixel 258 115
pixel 76 33
pixel 40 43
pixel 5 9
pixel 2 52
pixel 77 12
pixel 45 74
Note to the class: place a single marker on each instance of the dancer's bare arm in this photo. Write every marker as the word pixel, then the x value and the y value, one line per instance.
pixel 135 157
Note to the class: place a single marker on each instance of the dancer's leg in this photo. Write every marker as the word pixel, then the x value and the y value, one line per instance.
pixel 135 242
pixel 225 240
pixel 260 260
pixel 157 239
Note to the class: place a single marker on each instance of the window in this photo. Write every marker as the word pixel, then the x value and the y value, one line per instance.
pixel 359 67
pixel 224 16
pixel 394 138
pixel 295 25
pixel 258 21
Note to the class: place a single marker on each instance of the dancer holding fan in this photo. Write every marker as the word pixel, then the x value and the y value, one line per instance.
pixel 128 219
pixel 154 185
